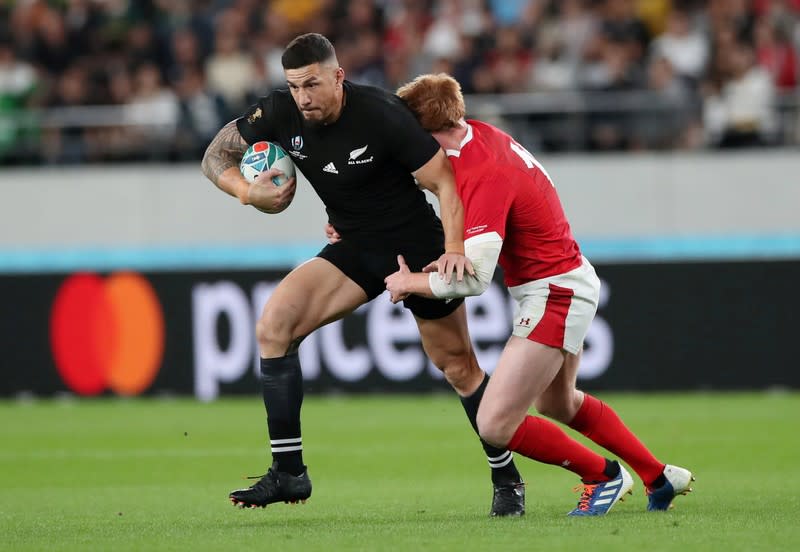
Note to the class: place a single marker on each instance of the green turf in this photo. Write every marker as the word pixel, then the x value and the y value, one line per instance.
pixel 389 473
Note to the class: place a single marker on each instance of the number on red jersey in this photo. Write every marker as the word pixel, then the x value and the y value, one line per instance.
pixel 529 160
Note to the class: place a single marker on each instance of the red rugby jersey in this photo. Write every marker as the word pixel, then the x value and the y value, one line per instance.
pixel 505 190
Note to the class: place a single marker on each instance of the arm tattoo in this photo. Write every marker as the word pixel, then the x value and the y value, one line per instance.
pixel 224 151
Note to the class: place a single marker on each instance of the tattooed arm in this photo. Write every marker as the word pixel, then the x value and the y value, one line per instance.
pixel 221 162
pixel 221 166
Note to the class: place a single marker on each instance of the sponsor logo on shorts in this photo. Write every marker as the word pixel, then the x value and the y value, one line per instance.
pixel 524 322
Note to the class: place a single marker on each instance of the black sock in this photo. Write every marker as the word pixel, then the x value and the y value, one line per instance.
pixel 500 460
pixel 612 469
pixel 282 386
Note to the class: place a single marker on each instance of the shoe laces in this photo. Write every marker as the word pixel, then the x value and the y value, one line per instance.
pixel 586 495
pixel 270 475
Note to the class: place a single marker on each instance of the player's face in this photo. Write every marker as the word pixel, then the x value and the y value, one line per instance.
pixel 317 91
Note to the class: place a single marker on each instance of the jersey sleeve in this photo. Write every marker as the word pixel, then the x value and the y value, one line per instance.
pixel 408 141
pixel 487 203
pixel 258 122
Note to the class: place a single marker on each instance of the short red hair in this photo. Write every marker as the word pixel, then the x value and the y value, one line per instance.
pixel 435 100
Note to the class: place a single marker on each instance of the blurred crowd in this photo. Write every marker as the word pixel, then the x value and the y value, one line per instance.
pixel 171 72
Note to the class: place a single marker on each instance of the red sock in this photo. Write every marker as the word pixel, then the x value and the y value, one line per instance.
pixel 600 423
pixel 544 441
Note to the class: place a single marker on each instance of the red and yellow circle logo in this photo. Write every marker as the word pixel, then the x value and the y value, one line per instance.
pixel 107 333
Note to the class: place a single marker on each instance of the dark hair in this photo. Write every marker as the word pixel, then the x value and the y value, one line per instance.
pixel 307 49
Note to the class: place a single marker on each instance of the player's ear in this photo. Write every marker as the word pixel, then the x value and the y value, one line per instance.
pixel 339 77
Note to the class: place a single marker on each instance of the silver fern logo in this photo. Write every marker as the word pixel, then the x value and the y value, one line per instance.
pixel 356 153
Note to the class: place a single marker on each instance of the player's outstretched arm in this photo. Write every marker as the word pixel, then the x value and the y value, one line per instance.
pixel 437 176
pixel 221 162
pixel 483 250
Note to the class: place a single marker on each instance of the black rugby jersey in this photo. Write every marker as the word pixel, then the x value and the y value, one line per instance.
pixel 360 165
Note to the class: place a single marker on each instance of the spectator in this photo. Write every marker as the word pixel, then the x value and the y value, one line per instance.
pixel 552 71
pixel 509 61
pixel 731 14
pixel 183 51
pixel 685 49
pixel 141 45
pixel 274 36
pixel 662 126
pixel 742 113
pixel 51 48
pixel 202 113
pixel 18 81
pixel 152 112
pixel 69 143
pixel 620 25
pixel 613 68
pixel 443 38
pixel 366 59
pixel 775 53
pixel 119 141
pixel 574 27
pixel 356 16
pixel 397 70
pixel 405 32
pixel 490 46
pixel 230 69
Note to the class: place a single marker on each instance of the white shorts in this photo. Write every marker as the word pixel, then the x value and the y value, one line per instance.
pixel 558 310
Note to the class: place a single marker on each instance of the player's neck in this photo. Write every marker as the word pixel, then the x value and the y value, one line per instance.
pixel 338 113
pixel 451 138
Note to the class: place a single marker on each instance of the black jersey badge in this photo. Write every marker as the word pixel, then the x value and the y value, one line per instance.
pixel 356 156
pixel 297 144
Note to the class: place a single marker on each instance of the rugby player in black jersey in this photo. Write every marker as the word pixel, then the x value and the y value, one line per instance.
pixel 361 149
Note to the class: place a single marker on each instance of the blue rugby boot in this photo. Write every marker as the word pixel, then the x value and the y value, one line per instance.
pixel 598 498
pixel 678 482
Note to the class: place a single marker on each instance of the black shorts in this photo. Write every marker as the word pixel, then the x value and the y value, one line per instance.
pixel 368 267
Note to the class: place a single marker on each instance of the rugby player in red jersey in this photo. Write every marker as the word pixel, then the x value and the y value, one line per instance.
pixel 514 218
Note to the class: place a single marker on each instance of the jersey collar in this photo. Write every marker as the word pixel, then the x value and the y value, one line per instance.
pixel 467 138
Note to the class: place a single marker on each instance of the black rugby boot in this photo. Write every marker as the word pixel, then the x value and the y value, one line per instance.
pixel 274 486
pixel 508 500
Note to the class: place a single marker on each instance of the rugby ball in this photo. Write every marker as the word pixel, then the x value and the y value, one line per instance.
pixel 263 156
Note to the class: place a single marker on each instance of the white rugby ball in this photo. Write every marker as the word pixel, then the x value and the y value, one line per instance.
pixel 263 156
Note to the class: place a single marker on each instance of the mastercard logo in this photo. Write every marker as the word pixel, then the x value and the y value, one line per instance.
pixel 107 333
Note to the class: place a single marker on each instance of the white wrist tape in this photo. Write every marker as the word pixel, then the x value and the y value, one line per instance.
pixel 483 250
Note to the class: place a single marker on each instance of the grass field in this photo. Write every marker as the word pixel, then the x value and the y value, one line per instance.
pixel 389 473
